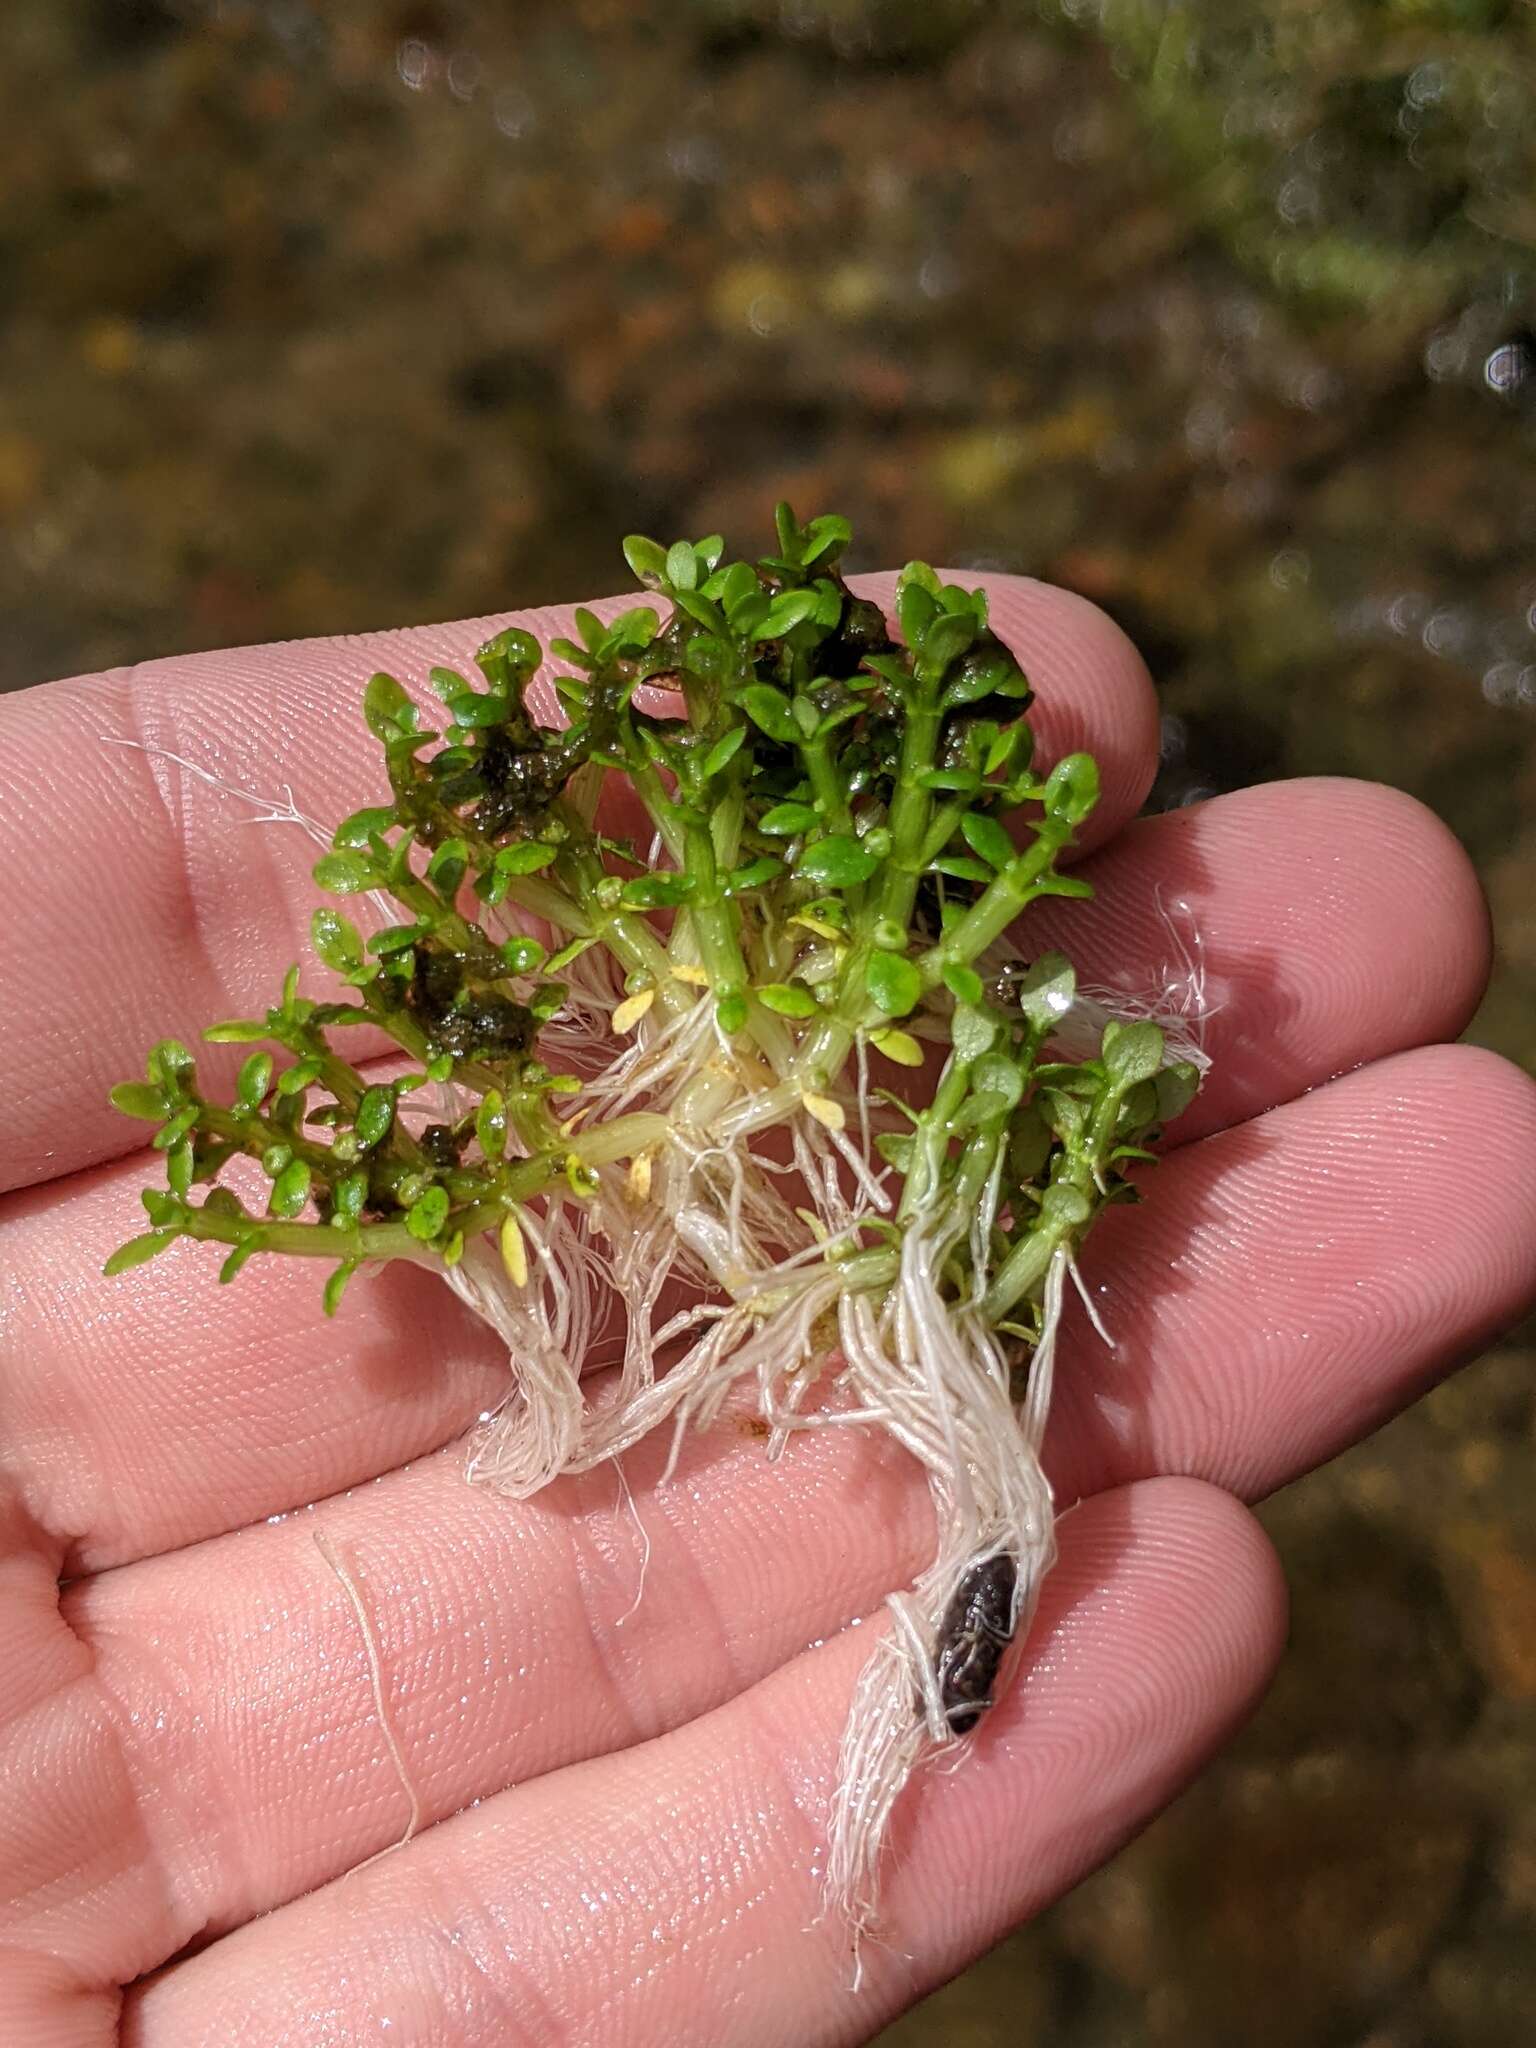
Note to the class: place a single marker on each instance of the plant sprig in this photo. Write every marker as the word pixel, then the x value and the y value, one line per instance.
pixel 837 812
pixel 595 1027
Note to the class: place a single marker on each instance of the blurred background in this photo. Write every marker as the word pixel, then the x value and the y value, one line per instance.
pixel 330 314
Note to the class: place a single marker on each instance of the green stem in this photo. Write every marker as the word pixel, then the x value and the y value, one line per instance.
pixel 711 915
pixel 1000 903
pixel 1023 1269
pixel 827 786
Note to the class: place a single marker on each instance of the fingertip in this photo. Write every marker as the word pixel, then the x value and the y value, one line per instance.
pixel 1395 849
pixel 1193 1567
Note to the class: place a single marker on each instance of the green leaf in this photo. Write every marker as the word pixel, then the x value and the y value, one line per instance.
pixel 836 863
pixel 141 1099
pixel 707 615
pixel 785 820
pixel 177 1128
pixel 986 837
pixel 964 984
pixel 731 1013
pixel 631 632
pixel 375 1114
pixel 178 1168
pixel 787 999
pixel 299 1075
pixel 1062 1208
pixel 491 1124
pixel 682 565
pixel 170 1063
pixel 139 1249
pixel 290 1191
pixel 972 1033
pixel 1048 991
pixel 525 858
pixel 656 892
pixel 252 1082
pixel 1065 885
pixel 985 672
pixel 362 826
pixel 723 752
pixel 590 627
pixel 893 983
pixel 896 1147
pixel 916 605
pixel 395 938
pixel 749 611
pixel 789 609
pixel 445 870
pixel 1072 789
pixel 425 1219
pixel 524 955
pixel 1177 1087
pixel 336 940
pixel 1131 1052
pixel 754 874
pixel 946 639
pixel 386 706
pixel 474 710
pixel 996 1076
pixel 1013 749
pixel 827 535
pixel 351 1193
pixel 235 1031
pixel 647 558
pixel 344 874
pixel 335 1287
pixel 961 868
pixel 898 1046
pixel 508 659
pixel 769 708
pixel 237 1258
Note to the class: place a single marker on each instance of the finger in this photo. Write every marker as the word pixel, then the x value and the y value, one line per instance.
pixel 672 1892
pixel 158 905
pixel 1294 930
pixel 130 1433
pixel 509 1635
pixel 1292 1282
pixel 512 1638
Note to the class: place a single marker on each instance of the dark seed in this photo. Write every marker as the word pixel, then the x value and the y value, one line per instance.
pixel 973 1639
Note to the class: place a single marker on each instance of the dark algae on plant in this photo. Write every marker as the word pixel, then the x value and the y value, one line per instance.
pixel 653 979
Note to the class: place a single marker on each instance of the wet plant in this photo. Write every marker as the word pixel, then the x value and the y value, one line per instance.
pixel 702 1024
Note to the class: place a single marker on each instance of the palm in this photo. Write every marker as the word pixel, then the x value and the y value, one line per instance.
pixel 189 1735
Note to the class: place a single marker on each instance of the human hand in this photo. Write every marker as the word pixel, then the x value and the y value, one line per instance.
pixel 190 1735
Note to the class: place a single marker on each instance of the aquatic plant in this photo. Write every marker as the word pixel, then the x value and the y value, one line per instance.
pixel 712 1029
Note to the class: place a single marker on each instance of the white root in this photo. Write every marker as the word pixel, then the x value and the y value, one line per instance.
pixel 546 1327
pixel 396 1754
pixel 1179 1001
pixel 940 1382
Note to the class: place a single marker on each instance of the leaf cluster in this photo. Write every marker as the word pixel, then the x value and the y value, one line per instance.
pixel 844 821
